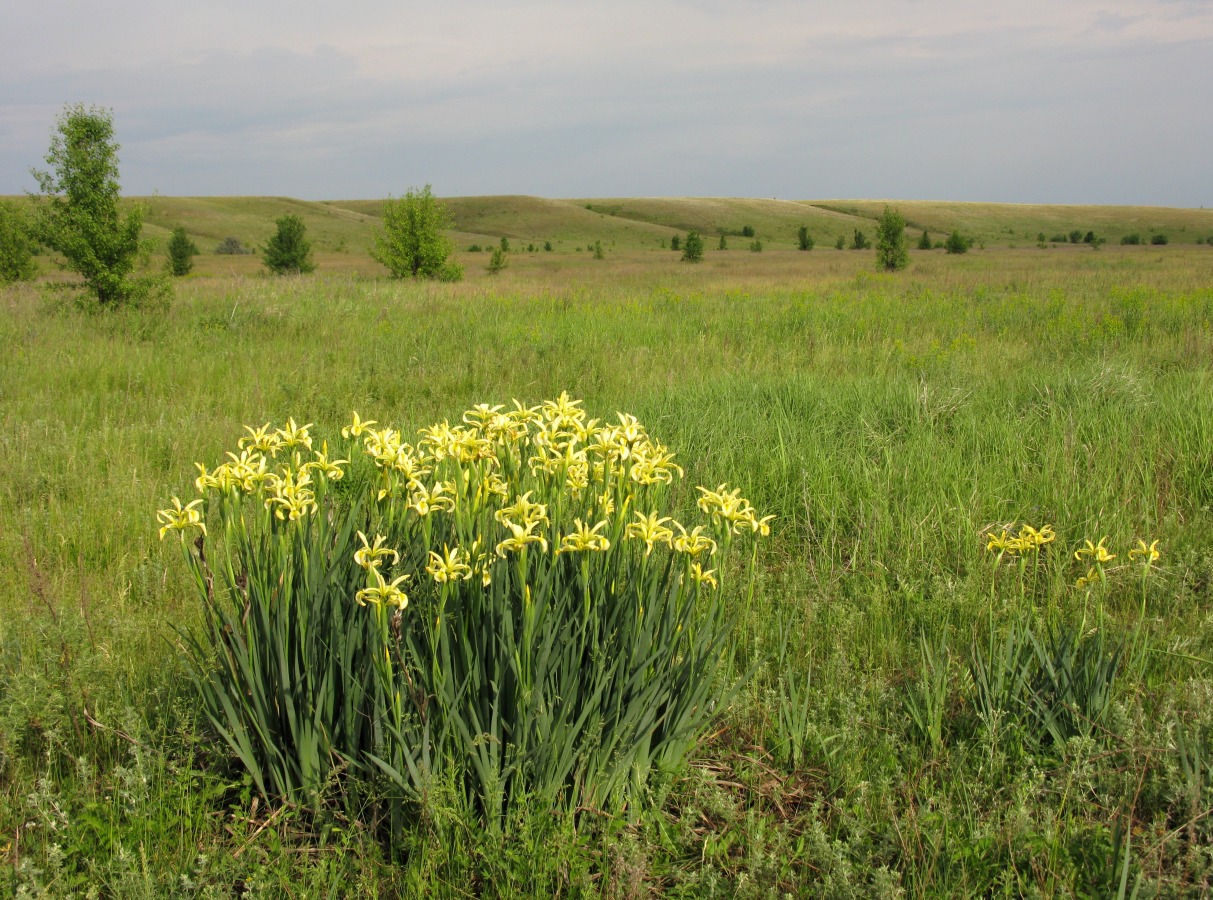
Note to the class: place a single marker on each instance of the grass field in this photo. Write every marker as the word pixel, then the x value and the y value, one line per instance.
pixel 922 717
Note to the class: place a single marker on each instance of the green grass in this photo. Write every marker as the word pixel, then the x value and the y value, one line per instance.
pixel 889 422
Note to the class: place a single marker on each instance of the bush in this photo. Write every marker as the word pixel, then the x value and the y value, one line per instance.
pixel 181 253
pixel 892 253
pixel 499 260
pixel 724 244
pixel 676 242
pixel 1158 240
pixel 841 242
pixel 547 246
pixel 505 244
pixel 412 242
pixel 232 246
pixel 1075 236
pixel 859 241
pixel 747 231
pixel 804 240
pixel 289 252
pixel 17 244
pixel 78 215
pixel 924 242
pixel 599 253
pixel 475 248
pixel 1089 237
pixel 956 243
pixel 692 248
pixel 755 246
pixel 1059 239
pixel 455 615
pixel 1131 240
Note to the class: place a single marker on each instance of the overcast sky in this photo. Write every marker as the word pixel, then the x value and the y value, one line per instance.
pixel 1034 101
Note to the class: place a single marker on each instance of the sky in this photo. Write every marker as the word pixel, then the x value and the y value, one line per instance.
pixel 1065 101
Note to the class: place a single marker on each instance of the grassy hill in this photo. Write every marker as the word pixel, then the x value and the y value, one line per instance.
pixel 342 227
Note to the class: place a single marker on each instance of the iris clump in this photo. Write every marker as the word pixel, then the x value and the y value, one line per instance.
pixel 506 606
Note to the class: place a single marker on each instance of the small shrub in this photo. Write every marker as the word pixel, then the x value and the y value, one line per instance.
pixel 840 243
pixel 599 253
pixel 924 242
pixel 859 241
pixel 804 240
pixel 474 248
pixel 505 244
pixel 289 252
pixel 891 252
pixel 1040 238
pixel 676 242
pixel 956 243
pixel 747 231
pixel 499 260
pixel 547 246
pixel 756 246
pixel 1158 240
pixel 181 253
pixel 1131 240
pixel 1059 239
pixel 1075 236
pixel 724 244
pixel 231 246
pixel 692 250
pixel 1089 237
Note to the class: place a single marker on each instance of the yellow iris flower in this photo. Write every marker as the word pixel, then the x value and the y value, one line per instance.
pixel 449 566
pixel 179 518
pixel 1149 554
pixel 1097 552
pixel 371 555
pixel 584 538
pixel 383 593
pixel 651 530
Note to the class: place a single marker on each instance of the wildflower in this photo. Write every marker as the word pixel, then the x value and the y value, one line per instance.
pixel 423 501
pixel 1092 576
pixel 355 428
pixel 520 537
pixel 449 566
pixel 261 439
pixel 522 511
pixel 295 435
pixel 1148 555
pixel 381 592
pixel 1000 543
pixel 651 530
pixel 584 538
pixel 179 518
pixel 693 542
pixel 703 577
pixel 329 469
pixel 371 555
pixel 1097 552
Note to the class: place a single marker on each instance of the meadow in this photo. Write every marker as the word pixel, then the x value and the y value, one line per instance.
pixel 926 708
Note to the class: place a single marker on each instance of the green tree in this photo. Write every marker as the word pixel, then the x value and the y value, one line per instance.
pixel 412 242
pixel 860 241
pixel 692 248
pixel 724 244
pixel 892 251
pixel 747 230
pixel 499 260
pixel 803 239
pixel 676 242
pixel 599 253
pixel 78 215
pixel 17 244
pixel 181 253
pixel 924 242
pixel 289 252
pixel 841 242
pixel 505 244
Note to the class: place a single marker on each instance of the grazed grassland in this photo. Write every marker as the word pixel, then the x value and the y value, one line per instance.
pixel 892 423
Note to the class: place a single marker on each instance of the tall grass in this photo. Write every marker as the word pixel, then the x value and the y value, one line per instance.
pixel 890 423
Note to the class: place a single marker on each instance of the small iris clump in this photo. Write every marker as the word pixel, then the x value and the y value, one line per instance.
pixel 507 604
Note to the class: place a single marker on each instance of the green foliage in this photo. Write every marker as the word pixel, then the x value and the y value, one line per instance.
pixel 756 246
pixel 859 241
pixel 1075 236
pixel 78 214
pixel 892 251
pixel 412 242
pixel 232 246
pixel 804 240
pixel 1059 238
pixel 288 251
pixel 181 253
pixel 599 253
pixel 676 242
pixel 1131 240
pixel 924 242
pixel 505 244
pixel 841 242
pixel 17 244
pixel 1158 240
pixel 723 244
pixel 547 246
pixel 1089 237
pixel 957 243
pixel 475 248
pixel 747 231
pixel 692 250
pixel 499 260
